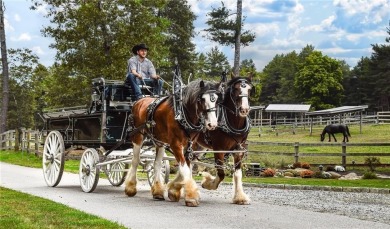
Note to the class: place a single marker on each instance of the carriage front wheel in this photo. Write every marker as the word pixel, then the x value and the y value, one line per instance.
pixel 88 171
pixel 53 158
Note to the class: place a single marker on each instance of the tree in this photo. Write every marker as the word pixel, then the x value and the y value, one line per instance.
pixel 5 73
pixel 94 38
pixel 22 104
pixel 227 31
pixel 181 30
pixel 218 63
pixel 319 81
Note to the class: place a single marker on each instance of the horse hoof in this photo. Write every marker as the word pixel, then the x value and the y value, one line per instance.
pixel 174 196
pixel 192 203
pixel 130 192
pixel 241 202
pixel 158 197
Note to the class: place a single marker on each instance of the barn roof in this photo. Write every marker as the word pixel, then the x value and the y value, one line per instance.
pixel 336 110
pixel 288 108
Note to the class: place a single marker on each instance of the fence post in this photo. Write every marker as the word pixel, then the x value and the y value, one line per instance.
pixel 17 139
pixel 296 149
pixel 344 154
pixel 36 143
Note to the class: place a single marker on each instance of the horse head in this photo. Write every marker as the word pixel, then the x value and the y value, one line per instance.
pixel 239 89
pixel 322 137
pixel 205 93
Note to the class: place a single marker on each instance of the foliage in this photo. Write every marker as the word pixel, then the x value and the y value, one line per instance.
pixel 226 30
pixel 306 174
pixel 181 30
pixel 305 165
pixel 23 86
pixel 36 212
pixel 369 175
pixel 268 172
pixel 223 28
pixel 319 80
pixel 372 162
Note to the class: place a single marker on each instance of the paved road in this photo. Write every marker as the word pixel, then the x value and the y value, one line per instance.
pixel 215 211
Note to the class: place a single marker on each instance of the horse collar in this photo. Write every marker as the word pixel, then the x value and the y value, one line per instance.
pixel 226 127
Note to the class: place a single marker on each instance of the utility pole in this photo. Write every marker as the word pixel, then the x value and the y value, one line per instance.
pixel 4 60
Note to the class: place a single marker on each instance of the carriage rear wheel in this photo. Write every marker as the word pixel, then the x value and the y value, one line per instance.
pixel 53 158
pixel 89 172
pixel 165 169
pixel 116 173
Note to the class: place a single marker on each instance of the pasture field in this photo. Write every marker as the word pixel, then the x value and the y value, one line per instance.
pixel 270 154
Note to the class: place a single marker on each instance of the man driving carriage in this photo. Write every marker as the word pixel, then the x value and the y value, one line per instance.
pixel 141 71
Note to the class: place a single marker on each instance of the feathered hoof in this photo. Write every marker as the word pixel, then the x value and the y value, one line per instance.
pixel 158 197
pixel 192 202
pixel 241 201
pixel 130 191
pixel 174 195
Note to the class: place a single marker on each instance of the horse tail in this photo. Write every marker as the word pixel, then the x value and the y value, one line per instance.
pixel 347 129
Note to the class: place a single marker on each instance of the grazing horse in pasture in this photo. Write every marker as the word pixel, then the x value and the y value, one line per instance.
pixel 335 128
pixel 230 134
pixel 156 119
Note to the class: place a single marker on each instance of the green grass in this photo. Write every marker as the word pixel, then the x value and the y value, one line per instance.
pixel 370 134
pixel 20 210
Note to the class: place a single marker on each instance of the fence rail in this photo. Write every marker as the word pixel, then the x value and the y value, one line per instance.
pixel 342 154
pixel 22 139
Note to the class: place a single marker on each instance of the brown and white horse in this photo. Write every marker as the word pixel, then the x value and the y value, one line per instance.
pixel 231 134
pixel 199 100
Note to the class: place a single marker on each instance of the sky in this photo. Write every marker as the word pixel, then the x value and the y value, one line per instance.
pixel 341 29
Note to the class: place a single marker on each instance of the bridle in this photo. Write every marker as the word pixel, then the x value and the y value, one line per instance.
pixel 243 84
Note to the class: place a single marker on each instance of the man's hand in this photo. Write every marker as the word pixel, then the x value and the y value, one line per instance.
pixel 156 77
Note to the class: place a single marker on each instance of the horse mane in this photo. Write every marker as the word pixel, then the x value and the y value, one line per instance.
pixel 193 90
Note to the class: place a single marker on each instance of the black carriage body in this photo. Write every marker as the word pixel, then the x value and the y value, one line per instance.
pixel 104 123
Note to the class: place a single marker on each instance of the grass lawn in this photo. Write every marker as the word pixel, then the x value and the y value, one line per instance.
pixel 36 212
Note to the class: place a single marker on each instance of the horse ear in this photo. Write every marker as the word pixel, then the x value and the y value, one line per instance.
pixel 201 84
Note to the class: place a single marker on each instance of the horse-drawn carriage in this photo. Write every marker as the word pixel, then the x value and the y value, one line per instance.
pixel 118 132
pixel 102 130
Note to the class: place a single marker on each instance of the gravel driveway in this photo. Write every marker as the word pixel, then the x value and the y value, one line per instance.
pixel 270 208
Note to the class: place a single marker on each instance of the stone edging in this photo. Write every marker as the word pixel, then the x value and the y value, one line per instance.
pixel 320 188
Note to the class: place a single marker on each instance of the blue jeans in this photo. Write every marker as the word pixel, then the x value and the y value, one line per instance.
pixel 135 82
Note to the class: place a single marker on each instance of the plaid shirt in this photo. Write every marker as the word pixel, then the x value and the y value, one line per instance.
pixel 145 68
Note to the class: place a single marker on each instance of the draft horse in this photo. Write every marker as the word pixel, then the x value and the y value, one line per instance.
pixel 335 128
pixel 230 134
pixel 156 119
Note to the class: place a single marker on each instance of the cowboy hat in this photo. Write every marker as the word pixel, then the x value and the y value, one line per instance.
pixel 138 47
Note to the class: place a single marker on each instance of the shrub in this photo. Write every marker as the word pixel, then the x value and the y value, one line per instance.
pixel 297 165
pixel 305 165
pixel 369 175
pixel 372 162
pixel 268 173
pixel 307 174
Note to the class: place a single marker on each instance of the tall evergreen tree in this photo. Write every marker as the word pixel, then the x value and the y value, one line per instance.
pixel 228 31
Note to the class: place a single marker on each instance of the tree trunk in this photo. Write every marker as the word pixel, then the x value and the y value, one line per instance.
pixel 4 60
pixel 236 69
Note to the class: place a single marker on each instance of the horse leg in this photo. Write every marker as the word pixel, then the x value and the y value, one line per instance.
pixel 334 137
pixel 210 182
pixel 131 179
pixel 239 195
pixel 329 137
pixel 158 185
pixel 191 193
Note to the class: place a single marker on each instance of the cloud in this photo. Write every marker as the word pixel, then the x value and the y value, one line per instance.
pixel 17 18
pixel 7 25
pixel 38 50
pixel 22 37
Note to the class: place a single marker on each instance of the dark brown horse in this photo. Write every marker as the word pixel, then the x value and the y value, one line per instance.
pixel 158 118
pixel 230 134
pixel 335 128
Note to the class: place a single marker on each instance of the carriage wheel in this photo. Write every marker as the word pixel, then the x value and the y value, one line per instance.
pixel 165 169
pixel 89 172
pixel 116 173
pixel 53 158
